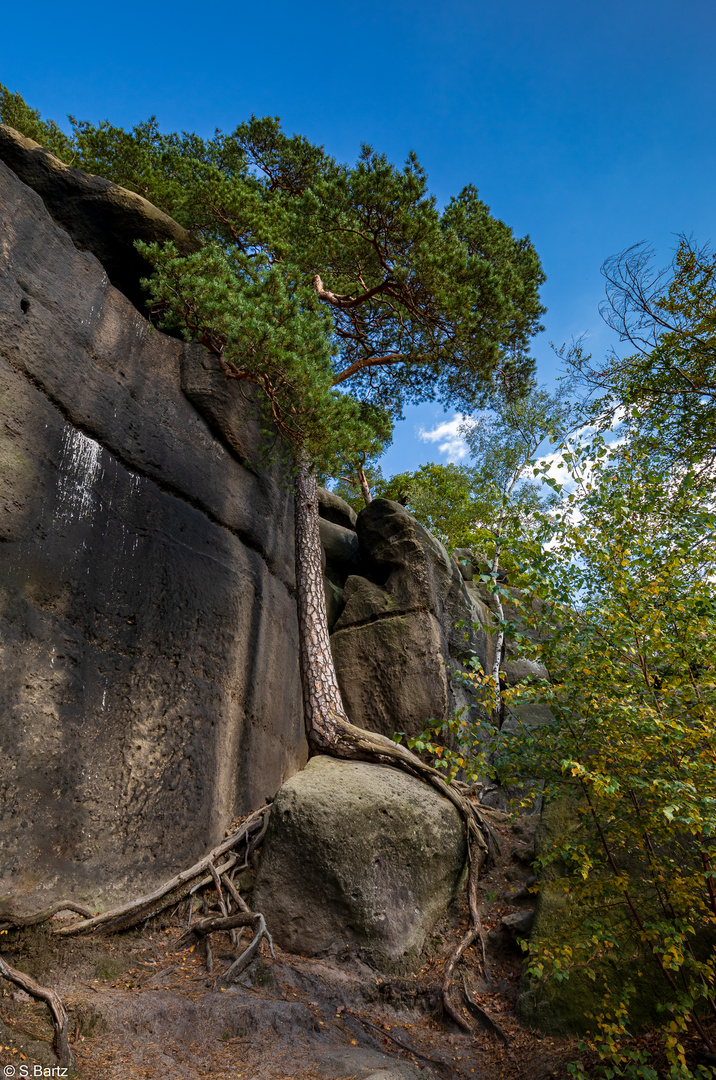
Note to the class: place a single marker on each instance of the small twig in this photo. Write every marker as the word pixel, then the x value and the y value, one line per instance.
pixel 240 902
pixel 37 1036
pixel 217 883
pixel 59 1015
pixel 221 870
pixel 254 842
pixel 231 861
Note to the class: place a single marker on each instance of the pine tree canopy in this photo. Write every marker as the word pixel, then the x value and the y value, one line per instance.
pixel 342 292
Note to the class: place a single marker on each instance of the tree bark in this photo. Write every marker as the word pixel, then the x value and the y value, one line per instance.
pixel 365 488
pixel 322 704
pixel 500 636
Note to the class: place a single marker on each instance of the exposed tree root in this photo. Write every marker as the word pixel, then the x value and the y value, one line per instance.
pixel 355 743
pixel 394 1038
pixel 483 1015
pixel 11 920
pixel 60 1021
pixel 172 891
pixel 473 934
pixel 346 742
pixel 212 924
pixel 242 962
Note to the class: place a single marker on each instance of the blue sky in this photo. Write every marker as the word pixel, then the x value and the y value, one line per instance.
pixel 588 126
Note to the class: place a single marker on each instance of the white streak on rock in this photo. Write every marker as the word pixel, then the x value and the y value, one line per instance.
pixel 80 466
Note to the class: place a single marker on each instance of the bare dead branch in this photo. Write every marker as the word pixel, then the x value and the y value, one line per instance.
pixel 236 895
pixel 343 300
pixel 12 919
pixel 60 1021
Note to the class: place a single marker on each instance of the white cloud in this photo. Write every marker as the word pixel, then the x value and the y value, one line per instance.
pixel 449 437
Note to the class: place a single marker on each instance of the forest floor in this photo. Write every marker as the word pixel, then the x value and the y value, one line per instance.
pixel 143 1007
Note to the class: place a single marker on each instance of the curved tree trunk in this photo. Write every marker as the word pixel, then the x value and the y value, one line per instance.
pixel 322 704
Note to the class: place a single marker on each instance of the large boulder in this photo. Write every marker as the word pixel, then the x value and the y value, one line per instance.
pixel 98 215
pixel 392 671
pixel 416 567
pixel 358 855
pixel 149 684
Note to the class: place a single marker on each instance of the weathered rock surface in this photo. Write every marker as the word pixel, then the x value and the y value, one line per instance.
pixel 392 672
pixel 99 216
pixel 149 686
pixel 359 855
pixel 332 508
pixel 341 549
pixel 399 637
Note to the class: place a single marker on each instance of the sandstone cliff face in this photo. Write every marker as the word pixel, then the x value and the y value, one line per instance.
pixel 99 216
pixel 149 685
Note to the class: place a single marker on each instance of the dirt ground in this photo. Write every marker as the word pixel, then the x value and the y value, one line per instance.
pixel 143 1007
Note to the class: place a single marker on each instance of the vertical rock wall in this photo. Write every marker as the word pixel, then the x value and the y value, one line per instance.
pixel 149 685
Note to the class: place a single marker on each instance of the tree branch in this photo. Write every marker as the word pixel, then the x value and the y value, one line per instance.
pixel 343 300
pixel 369 362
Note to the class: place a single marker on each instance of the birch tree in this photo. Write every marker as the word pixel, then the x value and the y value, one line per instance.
pixel 503 443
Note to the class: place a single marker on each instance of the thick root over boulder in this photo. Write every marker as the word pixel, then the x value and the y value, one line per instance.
pixel 354 743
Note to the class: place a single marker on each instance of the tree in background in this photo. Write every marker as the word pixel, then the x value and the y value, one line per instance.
pixel 666 390
pixel 362 476
pixel 494 505
pixel 503 442
pixel 444 498
pixel 359 485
